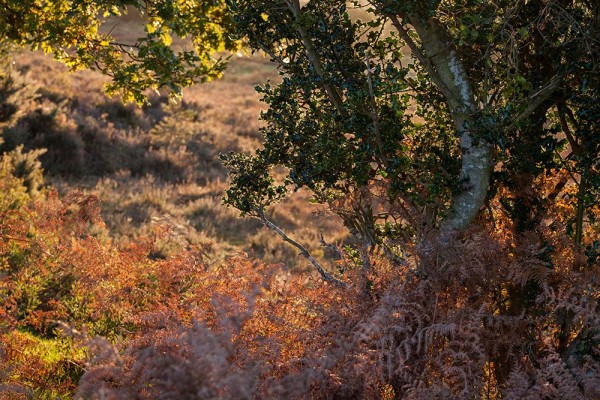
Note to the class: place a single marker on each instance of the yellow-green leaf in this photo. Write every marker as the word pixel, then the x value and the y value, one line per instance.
pixel 166 38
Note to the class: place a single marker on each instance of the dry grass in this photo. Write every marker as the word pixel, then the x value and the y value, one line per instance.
pixel 159 164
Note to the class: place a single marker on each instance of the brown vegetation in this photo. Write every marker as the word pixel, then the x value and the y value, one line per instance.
pixel 126 324
pixel 129 286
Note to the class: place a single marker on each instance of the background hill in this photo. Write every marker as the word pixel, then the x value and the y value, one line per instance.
pixel 158 164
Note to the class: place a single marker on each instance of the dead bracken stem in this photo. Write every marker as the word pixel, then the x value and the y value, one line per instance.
pixel 327 277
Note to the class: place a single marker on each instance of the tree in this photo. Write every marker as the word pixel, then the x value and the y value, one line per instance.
pixel 77 34
pixel 494 94
pixel 457 140
pixel 430 125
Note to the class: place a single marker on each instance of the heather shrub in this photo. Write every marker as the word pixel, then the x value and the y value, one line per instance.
pixel 27 166
pixel 14 192
pixel 47 126
pixel 21 178
pixel 15 92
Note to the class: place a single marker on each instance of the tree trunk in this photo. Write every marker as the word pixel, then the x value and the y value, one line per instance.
pixel 476 168
pixel 477 157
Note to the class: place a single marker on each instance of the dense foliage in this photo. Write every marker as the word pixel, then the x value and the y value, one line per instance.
pixel 503 317
pixel 491 95
pixel 79 34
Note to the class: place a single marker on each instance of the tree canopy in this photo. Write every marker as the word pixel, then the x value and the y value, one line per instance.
pixel 437 103
pixel 76 33
pixel 425 108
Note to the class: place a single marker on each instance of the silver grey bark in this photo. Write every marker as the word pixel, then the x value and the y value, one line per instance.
pixel 450 75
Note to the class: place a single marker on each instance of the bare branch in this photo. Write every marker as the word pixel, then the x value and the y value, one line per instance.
pixel 332 247
pixel 576 147
pixel 419 55
pixel 536 99
pixel 374 113
pixel 580 214
pixel 324 274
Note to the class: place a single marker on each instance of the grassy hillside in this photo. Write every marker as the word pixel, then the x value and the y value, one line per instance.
pixel 158 165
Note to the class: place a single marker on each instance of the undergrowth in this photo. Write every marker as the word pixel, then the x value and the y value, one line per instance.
pixel 85 318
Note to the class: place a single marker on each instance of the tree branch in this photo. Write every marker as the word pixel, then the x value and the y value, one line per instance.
pixel 536 99
pixel 575 146
pixel 580 213
pixel 324 274
pixel 313 57
pixel 416 51
pixel 375 114
pixel 332 247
